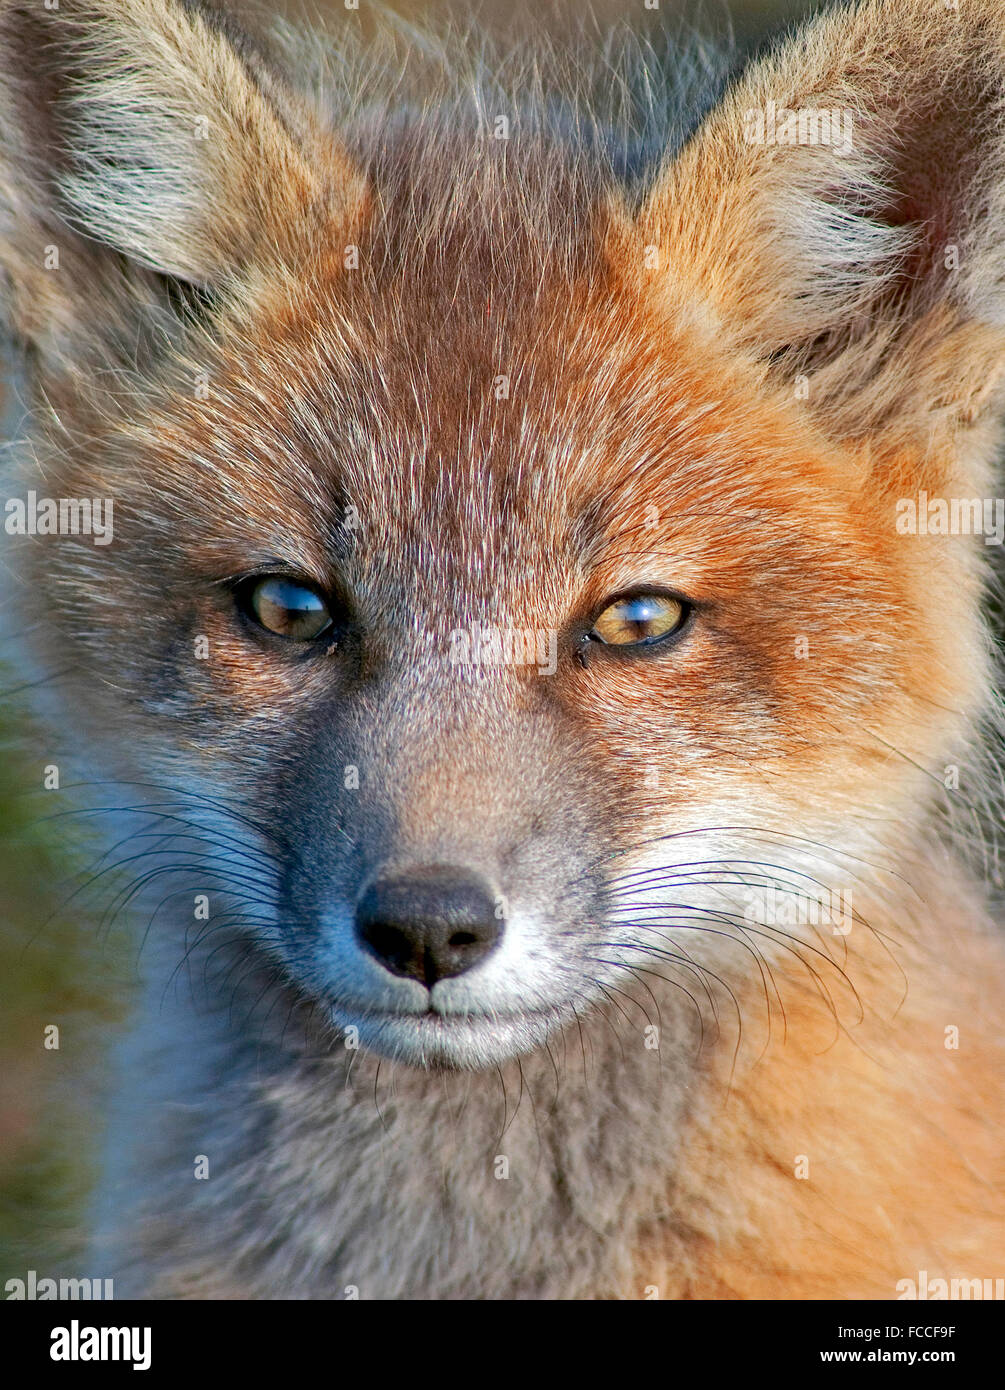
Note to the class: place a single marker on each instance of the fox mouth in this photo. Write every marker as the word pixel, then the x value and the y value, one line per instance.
pixel 455 1041
pixel 418 969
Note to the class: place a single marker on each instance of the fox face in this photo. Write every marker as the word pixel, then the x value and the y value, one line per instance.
pixel 506 582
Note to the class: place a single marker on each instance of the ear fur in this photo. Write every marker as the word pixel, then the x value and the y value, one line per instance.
pixel 142 134
pixel 869 270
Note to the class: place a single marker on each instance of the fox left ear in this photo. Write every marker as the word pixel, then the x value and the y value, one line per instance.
pixel 842 214
pixel 146 135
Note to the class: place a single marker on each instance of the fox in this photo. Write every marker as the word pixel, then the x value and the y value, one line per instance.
pixel 539 672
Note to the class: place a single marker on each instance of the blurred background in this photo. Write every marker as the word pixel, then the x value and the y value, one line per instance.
pixel 59 964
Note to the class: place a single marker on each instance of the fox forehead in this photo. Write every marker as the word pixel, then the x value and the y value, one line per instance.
pixel 484 401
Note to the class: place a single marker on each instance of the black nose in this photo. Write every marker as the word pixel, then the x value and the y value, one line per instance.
pixel 430 923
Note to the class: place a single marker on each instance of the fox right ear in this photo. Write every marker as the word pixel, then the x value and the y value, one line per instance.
pixel 145 128
pixel 840 217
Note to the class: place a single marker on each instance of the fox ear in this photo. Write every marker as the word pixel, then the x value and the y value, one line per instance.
pixel 842 212
pixel 145 128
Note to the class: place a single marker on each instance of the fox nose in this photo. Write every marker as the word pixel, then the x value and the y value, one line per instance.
pixel 428 924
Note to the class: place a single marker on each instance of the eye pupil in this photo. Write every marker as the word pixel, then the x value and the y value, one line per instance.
pixel 288 609
pixel 639 620
pixel 640 611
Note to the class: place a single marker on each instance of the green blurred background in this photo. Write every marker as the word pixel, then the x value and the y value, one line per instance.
pixel 55 966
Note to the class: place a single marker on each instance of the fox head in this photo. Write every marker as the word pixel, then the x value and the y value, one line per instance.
pixel 510 572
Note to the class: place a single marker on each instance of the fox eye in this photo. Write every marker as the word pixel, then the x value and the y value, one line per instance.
pixel 287 608
pixel 639 620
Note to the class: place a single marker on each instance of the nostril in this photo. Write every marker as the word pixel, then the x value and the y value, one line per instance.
pixel 386 939
pixel 430 924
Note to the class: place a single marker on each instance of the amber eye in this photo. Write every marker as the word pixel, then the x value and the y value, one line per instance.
pixel 288 609
pixel 639 620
